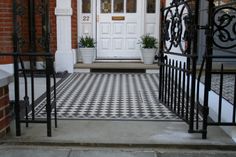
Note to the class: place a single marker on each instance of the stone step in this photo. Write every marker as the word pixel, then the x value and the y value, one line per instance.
pixel 148 68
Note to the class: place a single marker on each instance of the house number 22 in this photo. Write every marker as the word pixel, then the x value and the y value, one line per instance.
pixel 85 18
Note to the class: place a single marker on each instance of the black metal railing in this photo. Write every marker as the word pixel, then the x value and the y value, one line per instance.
pixel 220 47
pixel 22 104
pixel 175 87
pixel 179 42
pixel 179 83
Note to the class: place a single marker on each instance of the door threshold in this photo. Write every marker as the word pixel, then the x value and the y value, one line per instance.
pixel 118 61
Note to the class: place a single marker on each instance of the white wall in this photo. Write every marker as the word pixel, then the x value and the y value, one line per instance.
pixel 227 110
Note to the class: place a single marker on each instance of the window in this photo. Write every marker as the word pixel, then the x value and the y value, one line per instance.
pixel 151 6
pixel 131 6
pixel 86 6
pixel 118 6
pixel 105 6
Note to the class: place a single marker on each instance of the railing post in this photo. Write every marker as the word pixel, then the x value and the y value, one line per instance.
pixel 209 51
pixel 17 95
pixel 49 72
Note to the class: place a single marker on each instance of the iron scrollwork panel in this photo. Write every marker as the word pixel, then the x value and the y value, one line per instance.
pixel 224 27
pixel 177 26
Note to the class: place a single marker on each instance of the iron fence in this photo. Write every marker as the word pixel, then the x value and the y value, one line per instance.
pixel 23 105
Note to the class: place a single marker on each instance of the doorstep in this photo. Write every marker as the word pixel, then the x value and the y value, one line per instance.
pixel 135 66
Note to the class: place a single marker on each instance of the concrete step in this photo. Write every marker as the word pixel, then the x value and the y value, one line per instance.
pixel 136 66
pixel 49 151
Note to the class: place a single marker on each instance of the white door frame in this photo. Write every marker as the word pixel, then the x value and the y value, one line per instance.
pixel 113 51
pixel 93 20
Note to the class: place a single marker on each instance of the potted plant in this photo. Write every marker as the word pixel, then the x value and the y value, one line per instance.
pixel 148 48
pixel 87 49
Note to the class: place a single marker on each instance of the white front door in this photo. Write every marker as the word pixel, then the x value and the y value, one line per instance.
pixel 119 27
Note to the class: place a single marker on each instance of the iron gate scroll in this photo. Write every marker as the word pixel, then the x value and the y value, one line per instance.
pixel 31 40
pixel 180 36
pixel 221 46
pixel 178 58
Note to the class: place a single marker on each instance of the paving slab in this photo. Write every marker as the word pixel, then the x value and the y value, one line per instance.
pixel 197 154
pixel 112 153
pixel 33 152
pixel 118 133
pixel 72 151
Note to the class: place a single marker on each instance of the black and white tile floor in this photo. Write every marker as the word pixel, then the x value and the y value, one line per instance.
pixel 109 96
pixel 228 86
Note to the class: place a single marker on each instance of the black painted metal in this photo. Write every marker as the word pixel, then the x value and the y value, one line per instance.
pixel 220 36
pixel 177 78
pixel 178 88
pixel 22 113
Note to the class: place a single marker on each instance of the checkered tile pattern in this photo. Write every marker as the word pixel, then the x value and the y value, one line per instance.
pixel 109 96
pixel 228 86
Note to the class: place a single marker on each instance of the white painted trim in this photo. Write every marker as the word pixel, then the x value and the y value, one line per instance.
pixel 82 70
pixel 64 57
pixel 63 11
pixel 143 16
pixel 116 60
pixel 5 78
pixel 7 67
pixel 152 71
pixel 64 61
pixel 74 52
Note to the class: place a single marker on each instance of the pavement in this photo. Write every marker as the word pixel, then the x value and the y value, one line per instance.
pixel 52 151
pixel 119 133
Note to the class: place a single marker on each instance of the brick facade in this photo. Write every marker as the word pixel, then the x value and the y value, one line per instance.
pixel 74 25
pixel 6 29
pixel 5 117
pixel 53 39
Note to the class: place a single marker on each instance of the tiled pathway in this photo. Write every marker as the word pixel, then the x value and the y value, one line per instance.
pixel 109 96
pixel 228 86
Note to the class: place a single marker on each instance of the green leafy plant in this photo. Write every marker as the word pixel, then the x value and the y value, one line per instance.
pixel 86 42
pixel 148 41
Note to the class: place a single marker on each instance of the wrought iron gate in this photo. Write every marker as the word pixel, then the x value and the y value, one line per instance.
pixel 179 77
pixel 221 46
pixel 178 42
pixel 31 39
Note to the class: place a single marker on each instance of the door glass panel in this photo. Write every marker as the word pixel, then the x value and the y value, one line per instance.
pixel 105 6
pixel 131 6
pixel 86 6
pixel 151 6
pixel 118 6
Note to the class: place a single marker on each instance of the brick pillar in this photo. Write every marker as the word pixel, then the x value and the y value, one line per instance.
pixel 74 25
pixel 5 110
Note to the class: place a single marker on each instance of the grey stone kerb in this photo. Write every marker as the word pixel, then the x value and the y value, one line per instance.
pixel 5 78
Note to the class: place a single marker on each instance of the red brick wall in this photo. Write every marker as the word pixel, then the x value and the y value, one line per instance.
pixel 4 111
pixel 6 29
pixel 163 3
pixel 53 42
pixel 74 25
